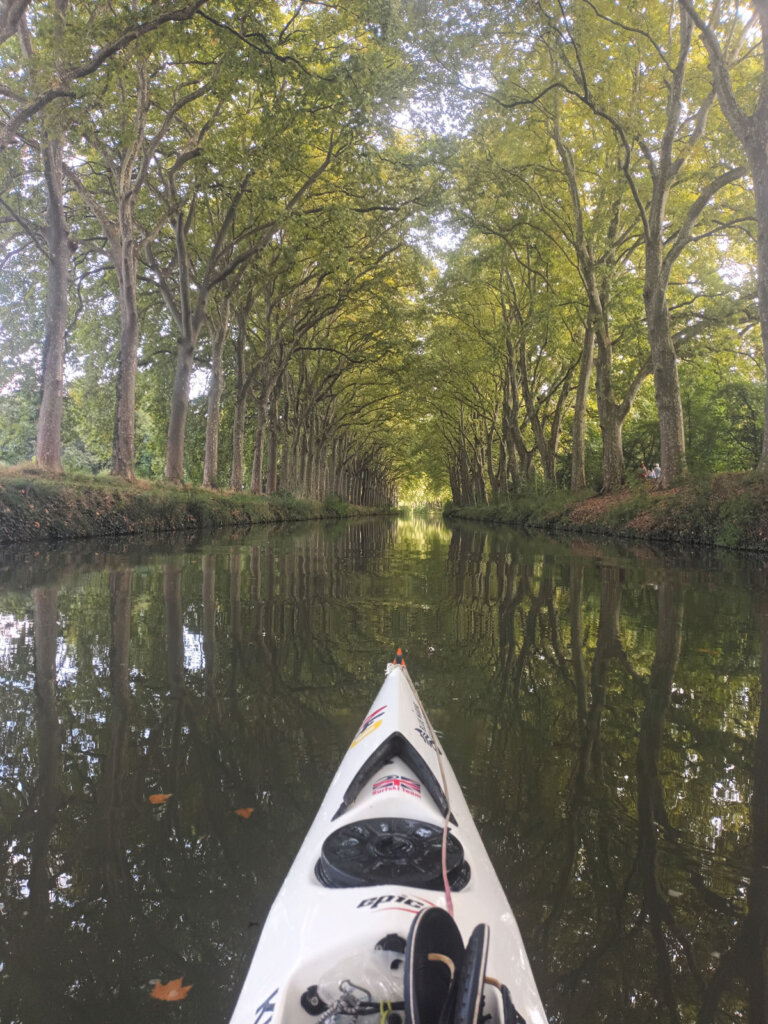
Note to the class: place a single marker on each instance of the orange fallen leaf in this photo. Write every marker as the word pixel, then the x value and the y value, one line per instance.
pixel 171 991
pixel 245 812
pixel 160 798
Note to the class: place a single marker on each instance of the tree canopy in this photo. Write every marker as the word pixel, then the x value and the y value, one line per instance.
pixel 370 250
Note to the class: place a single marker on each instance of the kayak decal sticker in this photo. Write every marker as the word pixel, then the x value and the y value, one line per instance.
pixel 370 724
pixel 397 784
pixel 422 728
pixel 410 904
pixel 267 1007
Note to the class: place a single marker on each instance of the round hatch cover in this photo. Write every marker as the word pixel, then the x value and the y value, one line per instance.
pixel 386 851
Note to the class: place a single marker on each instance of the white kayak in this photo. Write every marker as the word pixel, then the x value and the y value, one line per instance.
pixel 391 911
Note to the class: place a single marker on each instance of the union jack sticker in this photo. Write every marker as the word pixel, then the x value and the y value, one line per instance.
pixel 397 783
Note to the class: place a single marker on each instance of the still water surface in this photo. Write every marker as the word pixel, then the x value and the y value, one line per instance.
pixel 601 707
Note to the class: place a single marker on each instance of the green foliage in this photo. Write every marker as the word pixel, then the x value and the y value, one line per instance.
pixel 728 510
pixel 396 241
pixel 18 422
pixel 34 506
pixel 335 505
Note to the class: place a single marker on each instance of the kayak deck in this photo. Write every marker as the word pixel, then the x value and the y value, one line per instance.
pixel 333 947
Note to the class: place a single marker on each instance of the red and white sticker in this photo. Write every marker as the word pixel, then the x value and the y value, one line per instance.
pixel 397 784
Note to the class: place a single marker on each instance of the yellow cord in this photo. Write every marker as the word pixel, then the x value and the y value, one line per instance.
pixel 438 958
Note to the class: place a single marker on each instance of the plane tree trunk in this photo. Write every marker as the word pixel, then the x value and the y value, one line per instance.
pixel 215 391
pixel 579 431
pixel 48 445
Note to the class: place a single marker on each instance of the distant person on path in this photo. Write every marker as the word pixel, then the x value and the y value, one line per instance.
pixel 655 473
pixel 643 472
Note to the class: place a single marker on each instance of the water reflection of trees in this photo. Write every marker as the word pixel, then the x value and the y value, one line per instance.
pixel 206 680
pixel 598 710
pixel 609 738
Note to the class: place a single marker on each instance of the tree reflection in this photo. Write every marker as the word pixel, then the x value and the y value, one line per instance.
pixel 47 796
pixel 746 962
pixel 39 929
pixel 605 712
pixel 668 939
pixel 617 744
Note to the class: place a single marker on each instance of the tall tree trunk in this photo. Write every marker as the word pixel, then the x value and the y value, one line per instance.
pixel 48 442
pixel 665 378
pixel 48 447
pixel 288 466
pixel 303 461
pixel 238 444
pixel 241 397
pixel 124 257
pixel 257 466
pixel 185 357
pixel 578 451
pixel 272 443
pixel 611 423
pixel 213 420
pixel 597 286
pixel 174 454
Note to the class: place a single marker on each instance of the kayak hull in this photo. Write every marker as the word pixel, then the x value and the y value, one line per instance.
pixel 367 866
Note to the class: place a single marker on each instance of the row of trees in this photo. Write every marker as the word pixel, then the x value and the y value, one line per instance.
pixel 212 189
pixel 608 197
pixel 324 248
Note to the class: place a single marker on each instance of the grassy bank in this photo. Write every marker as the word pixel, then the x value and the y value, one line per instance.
pixel 729 510
pixel 35 506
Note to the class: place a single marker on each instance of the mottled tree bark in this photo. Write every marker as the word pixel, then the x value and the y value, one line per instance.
pixel 664 359
pixel 48 446
pixel 578 434
pixel 123 249
pixel 215 390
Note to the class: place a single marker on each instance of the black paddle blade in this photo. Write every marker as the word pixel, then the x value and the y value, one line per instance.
pixel 470 979
pixel 428 981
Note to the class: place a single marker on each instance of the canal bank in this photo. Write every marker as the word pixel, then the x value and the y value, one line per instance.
pixel 729 510
pixel 37 506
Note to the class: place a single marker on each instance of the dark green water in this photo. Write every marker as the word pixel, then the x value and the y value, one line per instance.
pixel 601 707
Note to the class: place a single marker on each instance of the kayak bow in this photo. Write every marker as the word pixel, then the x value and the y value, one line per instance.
pixel 391 911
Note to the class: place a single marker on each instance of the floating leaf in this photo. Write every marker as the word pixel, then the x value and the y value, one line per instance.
pixel 171 991
pixel 160 798
pixel 245 812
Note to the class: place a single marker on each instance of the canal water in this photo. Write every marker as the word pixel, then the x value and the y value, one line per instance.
pixel 173 710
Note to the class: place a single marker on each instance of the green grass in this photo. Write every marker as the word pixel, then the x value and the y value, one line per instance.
pixel 40 506
pixel 728 510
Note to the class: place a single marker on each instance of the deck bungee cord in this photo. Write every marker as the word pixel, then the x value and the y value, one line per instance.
pixel 400 660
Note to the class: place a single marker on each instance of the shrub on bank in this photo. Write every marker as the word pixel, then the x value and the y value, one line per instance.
pixel 728 510
pixel 37 506
pixel 336 506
